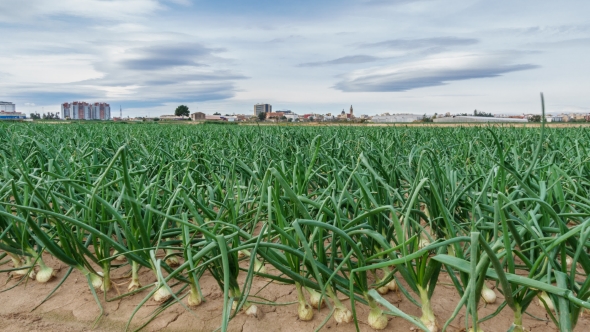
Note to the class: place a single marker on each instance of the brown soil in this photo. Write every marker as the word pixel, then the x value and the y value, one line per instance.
pixel 72 308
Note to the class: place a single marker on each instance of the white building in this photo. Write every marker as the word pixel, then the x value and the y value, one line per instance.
pixel 551 118
pixel 466 119
pixel 7 107
pixel 403 117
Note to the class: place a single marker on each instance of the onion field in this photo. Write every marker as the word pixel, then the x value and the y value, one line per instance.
pixel 337 212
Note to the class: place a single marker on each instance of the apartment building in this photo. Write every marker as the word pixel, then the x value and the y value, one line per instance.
pixel 80 110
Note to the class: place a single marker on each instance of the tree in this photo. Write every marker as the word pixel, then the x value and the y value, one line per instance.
pixel 182 110
pixel 535 118
pixel 483 114
pixel 216 113
pixel 262 116
pixel 425 118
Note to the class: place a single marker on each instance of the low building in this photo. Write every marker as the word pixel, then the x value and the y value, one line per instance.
pixel 198 116
pixel 173 118
pixel 483 119
pixel 292 116
pixel 275 115
pixel 214 118
pixel 8 112
pixel 553 118
pixel 12 116
pixel 404 117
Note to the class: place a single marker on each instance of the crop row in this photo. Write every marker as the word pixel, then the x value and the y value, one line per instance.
pixel 337 212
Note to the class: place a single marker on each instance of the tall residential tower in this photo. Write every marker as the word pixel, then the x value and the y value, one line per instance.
pixel 262 108
pixel 80 110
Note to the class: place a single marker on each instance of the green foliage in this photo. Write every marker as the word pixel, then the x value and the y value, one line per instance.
pixel 182 110
pixel 341 210
pixel 535 118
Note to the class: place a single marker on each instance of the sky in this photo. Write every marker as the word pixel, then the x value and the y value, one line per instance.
pixel 399 56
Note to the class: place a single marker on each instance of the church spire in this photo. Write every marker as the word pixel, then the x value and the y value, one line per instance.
pixel 351 112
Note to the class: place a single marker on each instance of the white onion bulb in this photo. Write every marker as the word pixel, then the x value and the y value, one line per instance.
pixel 161 295
pixel 305 311
pixel 383 290
pixel 134 285
pixel 259 267
pixel 253 311
pixel 377 320
pixel 172 261
pixel 392 285
pixel 489 296
pixel 194 300
pixel 96 281
pixel 342 315
pixel 45 274
pixel 315 298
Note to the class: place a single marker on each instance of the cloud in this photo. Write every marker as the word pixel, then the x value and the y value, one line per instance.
pixel 145 73
pixel 162 64
pixel 20 11
pixel 411 44
pixel 181 2
pixel 29 104
pixel 166 56
pixel 390 2
pixel 574 42
pixel 283 39
pixel 351 59
pixel 433 71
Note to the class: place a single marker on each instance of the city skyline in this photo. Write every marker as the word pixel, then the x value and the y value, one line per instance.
pixel 382 56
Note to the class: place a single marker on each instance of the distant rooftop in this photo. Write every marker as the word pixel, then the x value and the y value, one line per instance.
pixel 477 119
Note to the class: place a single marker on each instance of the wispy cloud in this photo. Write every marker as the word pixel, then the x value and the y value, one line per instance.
pixel 433 71
pixel 283 39
pixel 390 2
pixel 152 73
pixel 19 11
pixel 573 42
pixel 410 44
pixel 166 56
pixel 351 59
